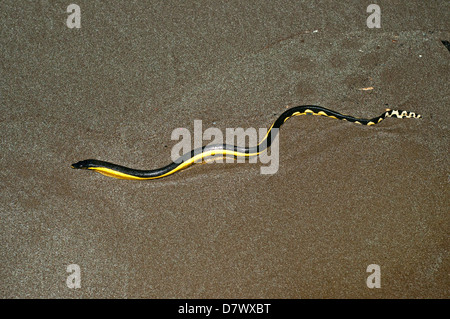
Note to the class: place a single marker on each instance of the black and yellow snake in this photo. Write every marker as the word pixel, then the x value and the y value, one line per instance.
pixel 122 172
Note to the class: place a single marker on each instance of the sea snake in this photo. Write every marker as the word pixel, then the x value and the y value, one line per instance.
pixel 197 155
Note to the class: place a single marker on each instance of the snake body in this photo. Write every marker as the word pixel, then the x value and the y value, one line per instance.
pixel 196 155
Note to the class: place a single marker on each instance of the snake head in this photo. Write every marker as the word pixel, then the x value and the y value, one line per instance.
pixel 86 164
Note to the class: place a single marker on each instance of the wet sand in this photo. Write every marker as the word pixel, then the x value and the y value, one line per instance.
pixel 344 197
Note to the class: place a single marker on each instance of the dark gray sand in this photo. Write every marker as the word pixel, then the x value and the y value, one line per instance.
pixel 345 196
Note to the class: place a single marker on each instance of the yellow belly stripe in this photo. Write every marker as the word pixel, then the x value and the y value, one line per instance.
pixel 112 173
